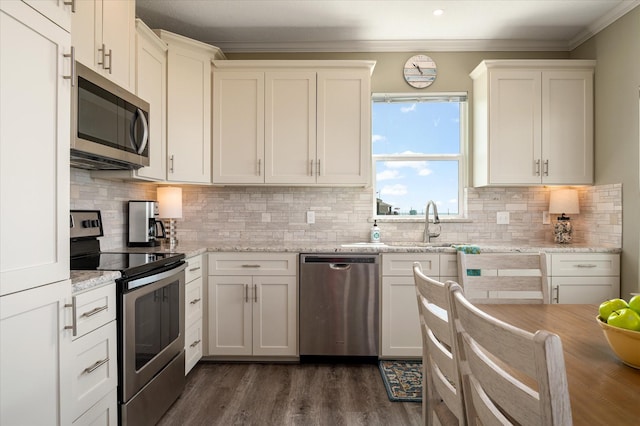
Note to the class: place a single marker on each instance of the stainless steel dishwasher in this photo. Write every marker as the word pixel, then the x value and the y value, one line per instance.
pixel 339 300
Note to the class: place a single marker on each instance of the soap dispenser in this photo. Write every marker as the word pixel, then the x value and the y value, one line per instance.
pixel 375 233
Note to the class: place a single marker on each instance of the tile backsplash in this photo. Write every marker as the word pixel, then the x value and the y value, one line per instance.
pixel 276 215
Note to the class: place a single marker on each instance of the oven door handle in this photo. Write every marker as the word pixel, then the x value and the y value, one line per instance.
pixel 155 277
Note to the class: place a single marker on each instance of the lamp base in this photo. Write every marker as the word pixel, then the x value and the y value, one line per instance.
pixel 563 231
pixel 171 234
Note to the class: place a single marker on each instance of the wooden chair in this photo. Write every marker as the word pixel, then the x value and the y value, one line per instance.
pixel 504 277
pixel 509 376
pixel 442 401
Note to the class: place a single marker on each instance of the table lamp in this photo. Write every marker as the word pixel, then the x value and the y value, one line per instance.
pixel 563 202
pixel 170 207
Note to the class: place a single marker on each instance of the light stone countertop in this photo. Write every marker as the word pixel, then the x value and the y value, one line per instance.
pixel 85 280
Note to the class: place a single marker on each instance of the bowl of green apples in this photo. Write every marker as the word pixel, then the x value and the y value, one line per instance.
pixel 620 322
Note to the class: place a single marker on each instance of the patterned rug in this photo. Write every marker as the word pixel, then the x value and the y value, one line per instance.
pixel 402 379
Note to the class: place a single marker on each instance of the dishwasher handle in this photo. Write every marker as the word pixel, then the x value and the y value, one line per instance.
pixel 340 266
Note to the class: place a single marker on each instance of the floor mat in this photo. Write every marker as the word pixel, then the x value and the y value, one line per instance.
pixel 402 379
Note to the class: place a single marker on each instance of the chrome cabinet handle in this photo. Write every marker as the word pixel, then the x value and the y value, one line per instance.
pixel 171 162
pixel 102 51
pixel 246 293
pixel 250 266
pixel 195 343
pixel 546 167
pixel 95 366
pixel 194 301
pixel 538 167
pixel 94 311
pixel 194 269
pixel 557 298
pixel 318 168
pixel 259 166
pixel 310 167
pixel 110 56
pixel 255 293
pixel 74 325
pixel 586 265
pixel 71 3
pixel 72 56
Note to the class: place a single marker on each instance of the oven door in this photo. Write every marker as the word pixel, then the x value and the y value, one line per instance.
pixel 151 326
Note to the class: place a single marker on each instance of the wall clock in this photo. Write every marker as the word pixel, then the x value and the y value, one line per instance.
pixel 420 71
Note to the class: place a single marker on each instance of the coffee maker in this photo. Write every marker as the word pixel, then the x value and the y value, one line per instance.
pixel 145 229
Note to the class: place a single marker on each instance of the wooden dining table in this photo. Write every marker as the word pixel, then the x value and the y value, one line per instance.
pixel 602 389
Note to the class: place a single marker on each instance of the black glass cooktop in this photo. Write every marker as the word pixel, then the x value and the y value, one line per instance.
pixel 128 264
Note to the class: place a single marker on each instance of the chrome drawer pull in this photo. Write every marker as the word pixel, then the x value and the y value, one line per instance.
pixel 250 266
pixel 95 366
pixel 94 311
pixel 586 265
pixel 194 301
pixel 74 324
pixel 194 269
pixel 194 344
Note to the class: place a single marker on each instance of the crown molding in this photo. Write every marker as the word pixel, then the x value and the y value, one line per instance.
pixel 606 20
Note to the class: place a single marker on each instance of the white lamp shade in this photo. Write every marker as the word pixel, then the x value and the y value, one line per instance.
pixel 170 202
pixel 564 201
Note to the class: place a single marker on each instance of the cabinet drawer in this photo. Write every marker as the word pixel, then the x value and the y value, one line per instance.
pixel 253 263
pixel 401 264
pixel 104 412
pixel 95 369
pixel 585 264
pixel 192 346
pixel 94 308
pixel 193 301
pixel 194 269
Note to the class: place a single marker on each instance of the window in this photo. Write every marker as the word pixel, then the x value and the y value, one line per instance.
pixel 418 153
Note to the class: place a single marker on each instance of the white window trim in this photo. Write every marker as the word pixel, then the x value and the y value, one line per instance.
pixel 462 157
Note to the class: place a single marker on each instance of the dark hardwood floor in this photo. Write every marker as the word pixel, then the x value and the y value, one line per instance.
pixel 288 394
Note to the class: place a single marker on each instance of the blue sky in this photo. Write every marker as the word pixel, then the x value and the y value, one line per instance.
pixel 417 128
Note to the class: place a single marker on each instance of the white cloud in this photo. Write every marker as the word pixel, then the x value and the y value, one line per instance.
pixel 388 175
pixel 378 138
pixel 453 201
pixel 425 171
pixel 394 190
pixel 436 122
pixel 419 166
pixel 409 108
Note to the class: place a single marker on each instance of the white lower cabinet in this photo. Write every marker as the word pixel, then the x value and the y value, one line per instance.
pixel 252 304
pixel 94 371
pixel 400 321
pixel 584 277
pixel 193 300
pixel 35 358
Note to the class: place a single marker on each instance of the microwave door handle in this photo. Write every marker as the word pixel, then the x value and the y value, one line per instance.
pixel 145 132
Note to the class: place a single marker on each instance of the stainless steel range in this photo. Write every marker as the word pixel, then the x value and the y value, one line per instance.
pixel 150 318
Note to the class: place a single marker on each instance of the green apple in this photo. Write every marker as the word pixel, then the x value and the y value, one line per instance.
pixel 634 303
pixel 625 318
pixel 608 306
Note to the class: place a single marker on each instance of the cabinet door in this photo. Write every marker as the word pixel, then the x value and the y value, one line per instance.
pixel 238 127
pixel 344 127
pixel 35 117
pixel 567 127
pixel 290 127
pixel 55 10
pixel 515 127
pixel 584 289
pixel 274 315
pixel 400 320
pixel 193 301
pixel 118 36
pixel 151 85
pixel 230 304
pixel 35 368
pixel 188 115
pixel 84 33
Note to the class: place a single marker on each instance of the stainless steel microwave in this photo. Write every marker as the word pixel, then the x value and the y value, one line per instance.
pixel 109 125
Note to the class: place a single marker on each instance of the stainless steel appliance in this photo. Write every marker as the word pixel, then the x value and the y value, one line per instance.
pixel 144 227
pixel 339 299
pixel 150 299
pixel 109 125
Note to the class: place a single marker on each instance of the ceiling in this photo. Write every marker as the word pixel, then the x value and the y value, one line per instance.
pixel 384 25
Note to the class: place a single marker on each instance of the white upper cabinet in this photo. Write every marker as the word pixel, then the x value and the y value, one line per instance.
pixel 103 33
pixel 56 10
pixel 291 122
pixel 188 108
pixel 35 116
pixel 533 122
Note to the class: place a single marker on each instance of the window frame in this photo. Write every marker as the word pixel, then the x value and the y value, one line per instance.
pixel 461 157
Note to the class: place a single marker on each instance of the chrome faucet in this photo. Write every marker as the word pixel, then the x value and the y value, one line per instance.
pixel 436 219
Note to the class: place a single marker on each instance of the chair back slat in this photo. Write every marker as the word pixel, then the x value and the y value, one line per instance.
pixel 441 380
pixel 509 375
